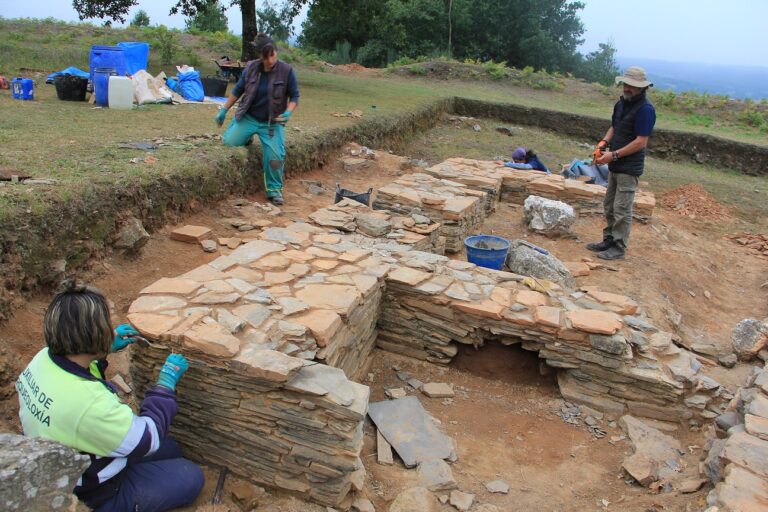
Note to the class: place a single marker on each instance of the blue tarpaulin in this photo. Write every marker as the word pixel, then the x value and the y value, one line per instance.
pixel 69 71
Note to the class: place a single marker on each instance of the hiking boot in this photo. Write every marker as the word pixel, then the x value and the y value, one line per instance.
pixel 600 246
pixel 614 252
pixel 277 200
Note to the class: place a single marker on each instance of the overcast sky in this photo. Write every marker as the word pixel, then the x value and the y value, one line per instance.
pixel 706 31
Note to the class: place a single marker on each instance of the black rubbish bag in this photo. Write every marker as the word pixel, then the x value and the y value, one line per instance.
pixel 70 87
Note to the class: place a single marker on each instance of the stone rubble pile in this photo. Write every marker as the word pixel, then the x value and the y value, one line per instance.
pixel 415 230
pixel 458 208
pixel 737 459
pixel 516 185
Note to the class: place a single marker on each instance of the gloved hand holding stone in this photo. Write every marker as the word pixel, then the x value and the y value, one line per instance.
pixel 221 116
pixel 124 336
pixel 174 367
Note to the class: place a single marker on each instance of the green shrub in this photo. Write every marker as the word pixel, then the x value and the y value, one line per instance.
pixel 495 70
pixel 700 120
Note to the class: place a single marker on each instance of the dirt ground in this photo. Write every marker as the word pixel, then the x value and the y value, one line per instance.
pixel 502 417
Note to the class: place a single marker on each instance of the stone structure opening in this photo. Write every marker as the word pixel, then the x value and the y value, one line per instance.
pixel 509 364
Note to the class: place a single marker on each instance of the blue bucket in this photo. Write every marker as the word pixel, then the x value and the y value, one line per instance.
pixel 101 85
pixel 108 57
pixel 23 89
pixel 487 251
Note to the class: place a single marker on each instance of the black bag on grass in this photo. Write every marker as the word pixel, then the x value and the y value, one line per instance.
pixel 70 87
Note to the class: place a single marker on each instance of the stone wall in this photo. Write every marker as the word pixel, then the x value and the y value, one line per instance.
pixel 287 424
pixel 696 147
pixel 737 459
pixel 609 359
pixel 276 330
pixel 458 208
pixel 515 185
pixel 38 474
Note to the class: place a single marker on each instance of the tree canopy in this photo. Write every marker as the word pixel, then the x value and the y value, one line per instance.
pixel 212 18
pixel 140 19
pixel 117 10
pixel 544 34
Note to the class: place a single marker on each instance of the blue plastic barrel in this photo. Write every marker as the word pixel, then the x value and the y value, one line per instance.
pixel 23 89
pixel 487 251
pixel 136 55
pixel 101 85
pixel 108 57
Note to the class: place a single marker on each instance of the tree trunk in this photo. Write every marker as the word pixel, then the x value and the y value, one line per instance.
pixel 248 10
pixel 450 28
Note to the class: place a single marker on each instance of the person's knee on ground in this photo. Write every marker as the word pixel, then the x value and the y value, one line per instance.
pixel 189 479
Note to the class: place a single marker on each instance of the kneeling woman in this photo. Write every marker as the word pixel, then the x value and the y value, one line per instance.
pixel 268 94
pixel 64 396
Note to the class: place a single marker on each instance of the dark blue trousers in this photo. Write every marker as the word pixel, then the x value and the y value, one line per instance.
pixel 162 481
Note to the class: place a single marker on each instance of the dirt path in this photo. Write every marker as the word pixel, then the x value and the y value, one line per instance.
pixel 502 417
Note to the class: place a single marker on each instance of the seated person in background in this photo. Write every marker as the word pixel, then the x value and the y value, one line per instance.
pixel 64 396
pixel 522 159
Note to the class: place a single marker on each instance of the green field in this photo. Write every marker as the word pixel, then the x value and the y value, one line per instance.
pixel 78 145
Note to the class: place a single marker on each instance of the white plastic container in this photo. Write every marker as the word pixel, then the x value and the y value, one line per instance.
pixel 120 92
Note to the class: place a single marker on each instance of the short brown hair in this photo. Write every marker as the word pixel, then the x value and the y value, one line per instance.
pixel 78 321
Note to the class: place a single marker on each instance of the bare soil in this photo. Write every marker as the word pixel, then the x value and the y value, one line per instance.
pixel 502 416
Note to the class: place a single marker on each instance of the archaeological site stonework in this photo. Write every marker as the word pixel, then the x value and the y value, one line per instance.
pixel 278 331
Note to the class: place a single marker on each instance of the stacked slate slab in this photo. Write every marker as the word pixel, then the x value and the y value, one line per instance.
pixel 482 175
pixel 277 330
pixel 737 459
pixel 610 360
pixel 516 185
pixel 458 208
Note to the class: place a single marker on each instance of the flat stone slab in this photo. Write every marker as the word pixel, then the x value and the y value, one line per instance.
pixel 407 426
pixel 497 486
pixel 437 390
pixel 190 234
pixel 436 475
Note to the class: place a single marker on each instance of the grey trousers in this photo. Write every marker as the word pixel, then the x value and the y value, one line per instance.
pixel 618 208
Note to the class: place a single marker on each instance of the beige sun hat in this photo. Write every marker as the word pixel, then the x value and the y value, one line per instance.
pixel 635 77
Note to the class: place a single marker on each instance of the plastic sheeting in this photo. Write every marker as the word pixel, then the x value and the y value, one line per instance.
pixel 69 71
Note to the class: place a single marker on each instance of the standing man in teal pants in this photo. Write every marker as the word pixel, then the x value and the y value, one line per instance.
pixel 268 93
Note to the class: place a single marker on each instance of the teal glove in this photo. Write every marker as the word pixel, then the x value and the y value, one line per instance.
pixel 174 367
pixel 124 336
pixel 284 117
pixel 221 116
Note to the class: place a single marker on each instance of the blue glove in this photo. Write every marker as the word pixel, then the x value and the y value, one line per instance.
pixel 284 117
pixel 124 336
pixel 174 367
pixel 221 116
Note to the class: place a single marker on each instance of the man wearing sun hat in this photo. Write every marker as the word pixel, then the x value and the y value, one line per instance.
pixel 623 150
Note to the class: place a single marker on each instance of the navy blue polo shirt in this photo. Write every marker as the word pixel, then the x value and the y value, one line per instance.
pixel 644 122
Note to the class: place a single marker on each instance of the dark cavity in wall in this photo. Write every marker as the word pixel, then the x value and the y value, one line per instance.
pixel 509 364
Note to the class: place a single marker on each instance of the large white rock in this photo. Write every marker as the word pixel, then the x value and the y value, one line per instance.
pixel 548 217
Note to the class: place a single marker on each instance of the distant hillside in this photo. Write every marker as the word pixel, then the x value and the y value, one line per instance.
pixel 733 81
pixel 30 45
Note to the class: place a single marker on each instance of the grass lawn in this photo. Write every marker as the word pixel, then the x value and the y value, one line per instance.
pixel 77 144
